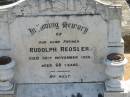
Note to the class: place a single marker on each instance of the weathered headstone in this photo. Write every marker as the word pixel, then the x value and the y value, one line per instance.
pixel 66 48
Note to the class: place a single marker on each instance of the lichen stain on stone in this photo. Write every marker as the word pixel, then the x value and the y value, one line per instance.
pixel 127 43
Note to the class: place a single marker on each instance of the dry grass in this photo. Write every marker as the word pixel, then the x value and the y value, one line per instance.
pixel 127 68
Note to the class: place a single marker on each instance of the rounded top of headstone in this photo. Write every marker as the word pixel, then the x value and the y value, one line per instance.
pixel 108 2
pixel 5 4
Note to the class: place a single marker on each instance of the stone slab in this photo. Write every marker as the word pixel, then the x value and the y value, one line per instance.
pixel 60 41
pixel 60 90
pixel 55 48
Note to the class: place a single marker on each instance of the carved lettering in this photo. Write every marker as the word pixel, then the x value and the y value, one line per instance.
pixel 64 25
pixel 32 31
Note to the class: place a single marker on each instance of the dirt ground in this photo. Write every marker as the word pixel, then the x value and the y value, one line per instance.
pixel 127 68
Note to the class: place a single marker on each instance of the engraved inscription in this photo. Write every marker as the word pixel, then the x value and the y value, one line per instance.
pixel 65 25
pixel 58 50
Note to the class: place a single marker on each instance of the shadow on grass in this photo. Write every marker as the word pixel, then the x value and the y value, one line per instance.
pixel 127 43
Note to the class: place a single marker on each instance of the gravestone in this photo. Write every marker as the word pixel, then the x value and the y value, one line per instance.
pixel 60 48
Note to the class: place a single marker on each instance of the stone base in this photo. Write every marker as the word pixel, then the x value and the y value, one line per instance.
pixel 9 92
pixel 116 94
pixel 7 95
pixel 117 87
pixel 61 90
